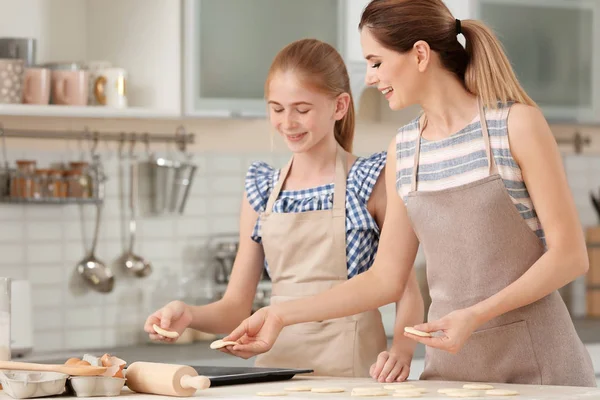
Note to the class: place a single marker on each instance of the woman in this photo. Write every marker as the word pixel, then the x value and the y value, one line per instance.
pixel 316 223
pixel 474 180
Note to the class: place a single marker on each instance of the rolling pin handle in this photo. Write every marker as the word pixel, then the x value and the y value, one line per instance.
pixel 197 382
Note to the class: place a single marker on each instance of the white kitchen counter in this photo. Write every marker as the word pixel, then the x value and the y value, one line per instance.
pixel 241 392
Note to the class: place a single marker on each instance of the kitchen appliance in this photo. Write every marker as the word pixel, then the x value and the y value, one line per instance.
pixel 18 48
pixel 222 376
pixel 21 327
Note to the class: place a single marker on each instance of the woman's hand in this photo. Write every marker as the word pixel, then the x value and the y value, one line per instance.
pixel 456 326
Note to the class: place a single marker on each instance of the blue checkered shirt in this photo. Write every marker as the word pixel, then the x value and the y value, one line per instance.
pixel 362 232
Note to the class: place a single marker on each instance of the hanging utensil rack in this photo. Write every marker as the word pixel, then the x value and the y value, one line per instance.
pixel 25 192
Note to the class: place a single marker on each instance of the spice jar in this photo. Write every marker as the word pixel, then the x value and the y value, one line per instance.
pixel 75 184
pixel 22 182
pixel 82 169
pixel 57 184
pixel 40 184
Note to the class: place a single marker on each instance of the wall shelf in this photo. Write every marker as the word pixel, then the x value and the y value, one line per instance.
pixel 32 110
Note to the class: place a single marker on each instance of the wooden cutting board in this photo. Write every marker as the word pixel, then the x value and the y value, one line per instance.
pixel 76 370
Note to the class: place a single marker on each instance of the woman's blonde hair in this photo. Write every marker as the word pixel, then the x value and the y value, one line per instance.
pixel 322 68
pixel 481 65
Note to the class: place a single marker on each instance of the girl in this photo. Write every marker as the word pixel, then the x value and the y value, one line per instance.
pixel 478 181
pixel 316 223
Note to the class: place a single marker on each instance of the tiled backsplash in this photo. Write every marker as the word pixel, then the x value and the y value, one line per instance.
pixel 44 243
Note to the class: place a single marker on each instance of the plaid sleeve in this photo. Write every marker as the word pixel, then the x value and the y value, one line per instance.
pixel 366 173
pixel 259 183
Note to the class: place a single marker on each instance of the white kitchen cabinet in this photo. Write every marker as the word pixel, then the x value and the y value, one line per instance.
pixel 142 36
pixel 554 47
pixel 230 44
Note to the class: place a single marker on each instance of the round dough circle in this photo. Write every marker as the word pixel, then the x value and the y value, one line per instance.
pixel 464 393
pixel 271 394
pixel 450 390
pixel 219 344
pixel 477 386
pixel 164 332
pixel 399 386
pixel 413 331
pixel 369 393
pixel 328 390
pixel 298 389
pixel 407 394
pixel 501 392
pixel 415 389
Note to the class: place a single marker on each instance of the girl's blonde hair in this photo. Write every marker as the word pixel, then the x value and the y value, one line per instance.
pixel 481 65
pixel 321 67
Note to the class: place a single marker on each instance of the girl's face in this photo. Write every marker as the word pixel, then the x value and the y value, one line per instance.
pixel 301 115
pixel 397 75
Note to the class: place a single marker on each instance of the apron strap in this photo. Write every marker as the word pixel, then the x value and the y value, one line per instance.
pixel 339 194
pixel 277 189
pixel 493 169
pixel 339 202
pixel 413 182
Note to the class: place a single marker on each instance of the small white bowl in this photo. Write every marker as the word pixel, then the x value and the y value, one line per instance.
pixel 94 386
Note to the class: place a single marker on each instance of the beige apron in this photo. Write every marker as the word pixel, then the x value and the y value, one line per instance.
pixel 306 254
pixel 476 243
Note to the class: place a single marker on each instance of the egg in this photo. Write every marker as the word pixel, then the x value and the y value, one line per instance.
pixel 83 363
pixel 72 361
pixel 105 359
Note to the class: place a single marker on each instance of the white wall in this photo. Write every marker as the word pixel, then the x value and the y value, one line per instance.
pixel 65 41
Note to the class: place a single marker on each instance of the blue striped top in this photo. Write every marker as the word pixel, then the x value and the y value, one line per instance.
pixel 461 158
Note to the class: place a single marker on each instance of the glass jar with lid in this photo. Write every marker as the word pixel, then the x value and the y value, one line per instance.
pixel 22 180
pixel 57 184
pixel 80 170
pixel 40 184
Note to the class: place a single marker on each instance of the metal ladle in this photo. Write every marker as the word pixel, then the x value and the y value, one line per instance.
pixel 132 263
pixel 95 272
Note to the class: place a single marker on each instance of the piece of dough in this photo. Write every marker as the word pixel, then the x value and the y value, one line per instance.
pixel 407 394
pixel 328 390
pixel 369 393
pixel 165 333
pixel 271 394
pixel 477 386
pixel 449 390
pixel 501 392
pixel 415 389
pixel 219 344
pixel 298 389
pixel 464 393
pixel 413 331
pixel 398 386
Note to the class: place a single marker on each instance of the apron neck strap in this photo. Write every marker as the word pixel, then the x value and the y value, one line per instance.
pixel 486 140
pixel 493 169
pixel 339 202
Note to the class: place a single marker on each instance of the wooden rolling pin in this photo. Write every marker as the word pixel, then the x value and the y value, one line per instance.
pixel 164 379
pixel 75 370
